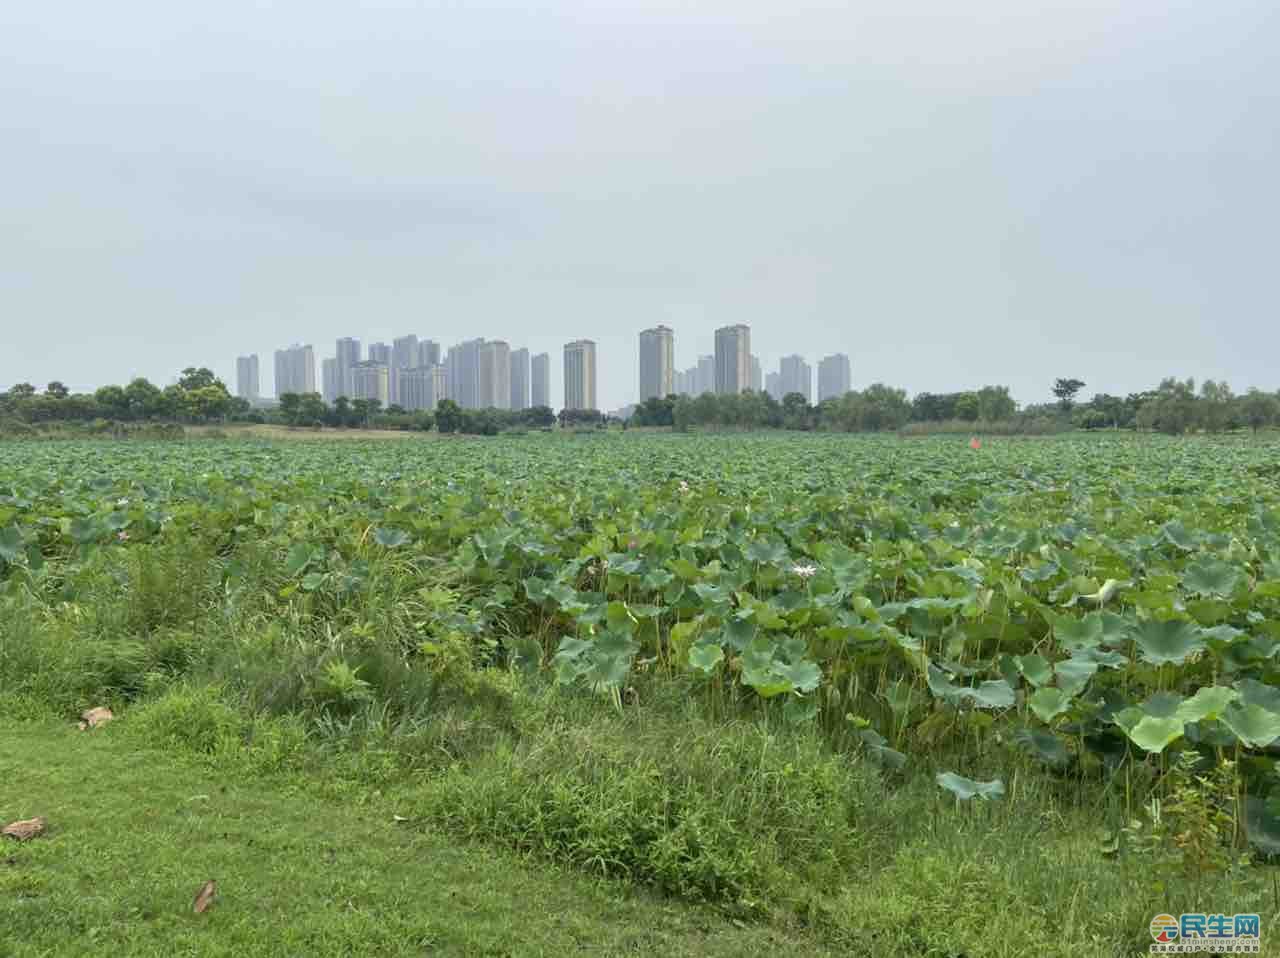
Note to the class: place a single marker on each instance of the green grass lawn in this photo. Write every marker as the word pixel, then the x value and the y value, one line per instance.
pixel 134 833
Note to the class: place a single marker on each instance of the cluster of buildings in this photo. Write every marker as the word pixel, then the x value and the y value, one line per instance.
pixel 414 374
pixel 733 368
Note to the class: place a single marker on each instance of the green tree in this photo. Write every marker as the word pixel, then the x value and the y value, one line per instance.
pixel 448 416
pixel 1171 408
pixel 22 391
pixel 291 408
pixel 114 401
pixel 1259 409
pixel 1065 390
pixel 967 407
pixel 193 378
pixel 1216 407
pixel 147 401
pixel 55 390
pixel 995 404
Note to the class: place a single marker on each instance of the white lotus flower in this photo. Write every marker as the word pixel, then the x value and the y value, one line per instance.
pixel 804 571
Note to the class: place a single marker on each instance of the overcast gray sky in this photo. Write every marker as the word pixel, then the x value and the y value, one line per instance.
pixel 953 194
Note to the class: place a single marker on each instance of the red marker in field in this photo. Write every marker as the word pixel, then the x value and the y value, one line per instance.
pixel 974 443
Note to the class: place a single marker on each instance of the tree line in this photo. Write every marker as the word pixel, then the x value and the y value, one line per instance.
pixel 1175 406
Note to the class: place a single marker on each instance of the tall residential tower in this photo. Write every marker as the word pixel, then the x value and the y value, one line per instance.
pixel 733 359
pixel 657 363
pixel 580 375
pixel 248 380
pixel 540 380
pixel 834 377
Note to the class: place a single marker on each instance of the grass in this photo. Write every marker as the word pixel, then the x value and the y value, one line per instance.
pixel 134 832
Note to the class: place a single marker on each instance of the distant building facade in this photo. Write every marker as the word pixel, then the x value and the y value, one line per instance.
pixel 330 381
pixel 834 377
pixel 757 375
pixel 347 351
pixel 657 362
pixel 428 353
pixel 580 374
pixel 462 365
pixel 733 359
pixel 404 355
pixel 422 387
pixel 248 378
pixel 371 380
pixel 540 380
pixel 773 385
pixel 295 370
pixel 494 390
pixel 796 376
pixel 519 379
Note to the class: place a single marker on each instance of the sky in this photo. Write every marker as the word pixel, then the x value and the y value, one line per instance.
pixel 1001 191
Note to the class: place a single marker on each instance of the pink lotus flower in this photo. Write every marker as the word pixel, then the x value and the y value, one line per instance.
pixel 975 443
pixel 122 536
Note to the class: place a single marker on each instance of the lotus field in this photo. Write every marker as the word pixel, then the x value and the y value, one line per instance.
pixel 1083 608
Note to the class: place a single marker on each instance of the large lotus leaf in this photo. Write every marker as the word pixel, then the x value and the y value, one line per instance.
pixel 1154 734
pixel 766 552
pixel 1208 703
pixel 966 788
pixel 1178 534
pixel 705 656
pixel 1043 745
pixel 1174 640
pixel 1163 704
pixel 739 631
pixel 1078 633
pixel 993 694
pixel 1115 629
pixel 805 676
pixel 1253 692
pixel 1074 674
pixel 300 556
pixel 1106 660
pixel 1048 703
pixel 391 538
pixel 1035 669
pixel 1210 576
pixel 1254 725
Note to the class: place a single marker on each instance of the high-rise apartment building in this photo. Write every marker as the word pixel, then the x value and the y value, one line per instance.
pixel 347 352
pixel 370 380
pixel 495 375
pixel 733 359
pixel 248 380
pixel 462 367
pixel 757 375
pixel 295 370
pixel 657 362
pixel 380 353
pixel 422 387
pixel 834 377
pixel 580 375
pixel 428 353
pixel 520 379
pixel 330 381
pixel 540 380
pixel 796 376
pixel 773 385
pixel 404 355
pixel 704 380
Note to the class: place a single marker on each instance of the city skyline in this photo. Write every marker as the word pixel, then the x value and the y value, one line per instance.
pixel 480 373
